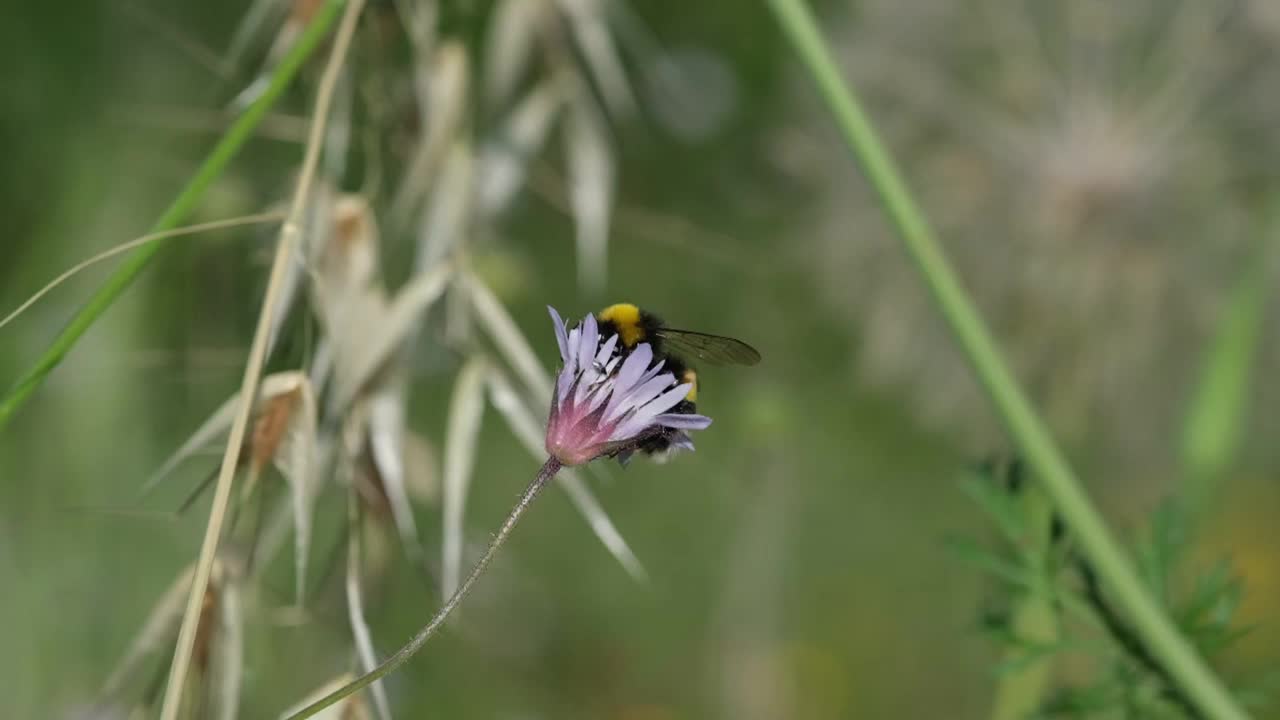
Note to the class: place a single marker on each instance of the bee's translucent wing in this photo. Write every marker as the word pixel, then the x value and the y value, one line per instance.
pixel 712 349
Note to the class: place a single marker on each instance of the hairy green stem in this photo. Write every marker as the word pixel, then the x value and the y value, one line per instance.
pixel 1021 420
pixel 190 196
pixel 402 656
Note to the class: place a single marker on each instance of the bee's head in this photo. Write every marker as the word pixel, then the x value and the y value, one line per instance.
pixel 627 320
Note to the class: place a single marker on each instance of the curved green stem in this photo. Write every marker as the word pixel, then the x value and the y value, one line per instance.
pixel 1026 428
pixel 190 196
pixel 402 656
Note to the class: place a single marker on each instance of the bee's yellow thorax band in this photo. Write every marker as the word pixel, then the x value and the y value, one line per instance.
pixel 691 377
pixel 625 317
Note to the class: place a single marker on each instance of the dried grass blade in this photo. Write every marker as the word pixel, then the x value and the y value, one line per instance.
pixel 387 445
pixel 228 670
pixel 506 335
pixel 509 50
pixel 261 13
pixel 419 19
pixel 591 186
pixel 504 162
pixel 348 708
pixel 355 608
pixel 590 29
pixel 156 632
pixel 296 458
pixel 186 201
pixel 445 220
pixel 214 427
pixel 393 326
pixel 443 82
pixel 131 244
pixel 466 409
pixel 253 367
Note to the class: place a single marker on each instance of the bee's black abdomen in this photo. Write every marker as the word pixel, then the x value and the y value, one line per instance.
pixel 661 442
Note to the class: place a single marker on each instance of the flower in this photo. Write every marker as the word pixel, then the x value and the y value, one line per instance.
pixel 609 400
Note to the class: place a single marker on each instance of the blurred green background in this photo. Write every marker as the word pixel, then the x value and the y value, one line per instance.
pixel 1100 174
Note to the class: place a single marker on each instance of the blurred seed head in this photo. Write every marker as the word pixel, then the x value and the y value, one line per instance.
pixel 589 24
pixel 442 89
pixel 691 91
pixel 1091 195
pixel 514 28
pixel 592 179
pixel 1265 16
pixel 364 326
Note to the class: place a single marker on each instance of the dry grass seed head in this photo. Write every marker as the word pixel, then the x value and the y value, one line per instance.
pixel 287 422
pixel 442 87
pixel 504 161
pixel 360 632
pixel 446 217
pixel 591 178
pixel 218 644
pixel 466 410
pixel 387 434
pixel 588 20
pixel 1085 195
pixel 363 328
pixel 512 34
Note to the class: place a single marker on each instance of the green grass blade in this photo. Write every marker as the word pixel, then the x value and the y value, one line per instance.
pixel 1214 424
pixel 190 196
pixel 1021 420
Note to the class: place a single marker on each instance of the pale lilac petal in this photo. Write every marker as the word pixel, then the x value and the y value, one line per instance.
pixel 641 415
pixel 683 421
pixel 606 351
pixel 590 339
pixel 669 399
pixel 595 401
pixel 589 380
pixel 563 383
pixel 561 338
pixel 598 397
pixel 634 368
pixel 629 428
pixel 637 396
pixel 653 371
pixel 633 425
pixel 571 356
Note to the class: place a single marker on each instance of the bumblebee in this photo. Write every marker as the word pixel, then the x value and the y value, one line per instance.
pixel 677 348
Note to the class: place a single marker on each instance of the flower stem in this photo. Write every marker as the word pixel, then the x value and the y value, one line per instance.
pixel 1026 428
pixel 402 656
pixel 190 196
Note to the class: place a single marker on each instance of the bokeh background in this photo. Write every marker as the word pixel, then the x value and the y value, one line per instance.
pixel 1100 173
